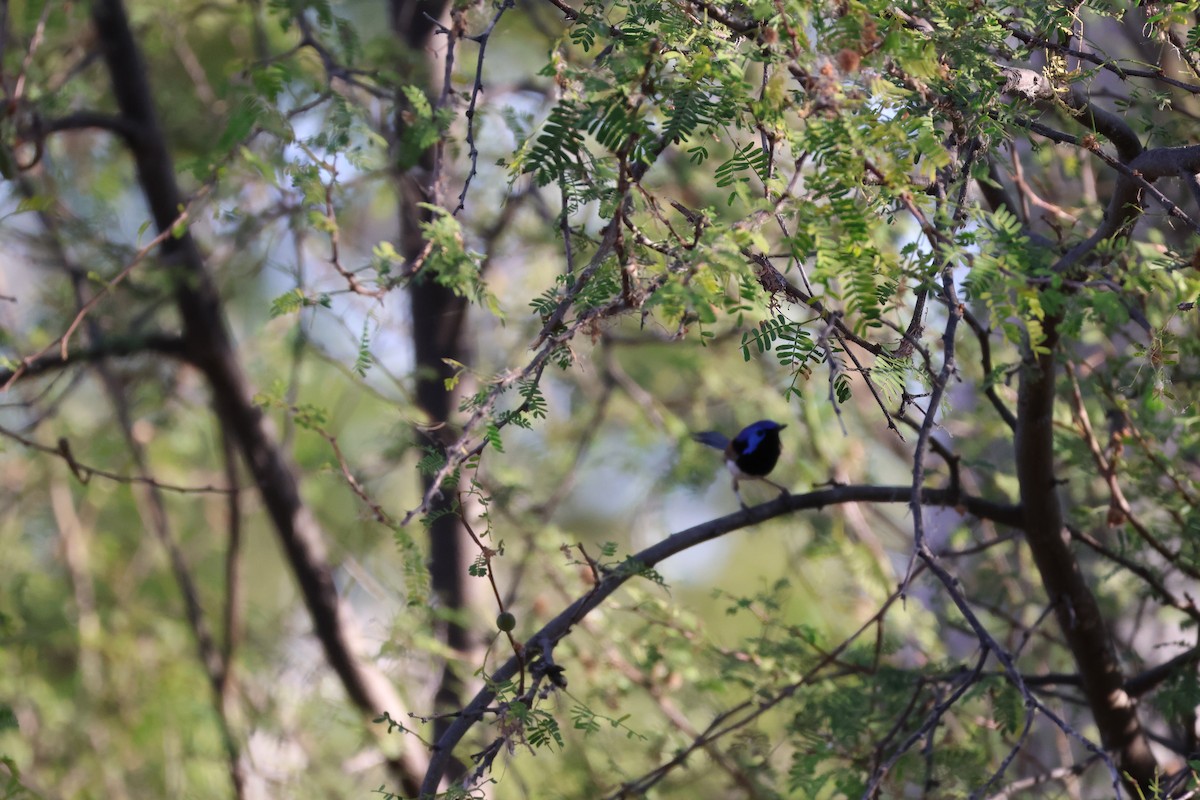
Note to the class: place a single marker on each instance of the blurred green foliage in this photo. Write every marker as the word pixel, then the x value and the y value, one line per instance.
pixel 684 216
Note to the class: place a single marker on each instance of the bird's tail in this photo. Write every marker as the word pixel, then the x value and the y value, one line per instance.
pixel 712 439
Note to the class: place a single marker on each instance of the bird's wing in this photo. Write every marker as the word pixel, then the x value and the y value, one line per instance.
pixel 712 439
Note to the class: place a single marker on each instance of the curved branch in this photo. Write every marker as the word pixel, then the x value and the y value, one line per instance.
pixel 93 120
pixel 116 347
pixel 1121 72
pixel 85 472
pixel 1036 87
pixel 1153 677
pixel 559 627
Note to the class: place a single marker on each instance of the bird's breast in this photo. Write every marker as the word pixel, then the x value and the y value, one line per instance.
pixel 759 461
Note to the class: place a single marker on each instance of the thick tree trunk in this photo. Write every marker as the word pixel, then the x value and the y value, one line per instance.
pixel 1075 605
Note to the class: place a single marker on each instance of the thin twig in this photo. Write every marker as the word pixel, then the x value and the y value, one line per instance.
pixel 473 151
pixel 85 472
pixel 63 340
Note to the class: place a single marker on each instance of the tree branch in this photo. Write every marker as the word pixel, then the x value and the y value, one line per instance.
pixel 115 347
pixel 93 120
pixel 559 627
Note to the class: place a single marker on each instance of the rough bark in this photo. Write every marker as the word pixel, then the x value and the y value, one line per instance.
pixel 1075 605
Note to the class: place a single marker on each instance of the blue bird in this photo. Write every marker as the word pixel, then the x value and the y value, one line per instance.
pixel 751 455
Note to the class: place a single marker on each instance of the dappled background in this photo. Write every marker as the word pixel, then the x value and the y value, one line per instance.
pixel 316 364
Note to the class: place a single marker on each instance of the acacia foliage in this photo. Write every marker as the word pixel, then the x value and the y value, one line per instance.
pixel 959 241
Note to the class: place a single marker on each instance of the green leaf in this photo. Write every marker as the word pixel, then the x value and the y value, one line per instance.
pixel 35 202
pixel 364 359
pixel 242 118
pixel 288 302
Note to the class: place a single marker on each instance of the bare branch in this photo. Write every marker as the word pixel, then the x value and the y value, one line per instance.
pixel 111 347
pixel 558 628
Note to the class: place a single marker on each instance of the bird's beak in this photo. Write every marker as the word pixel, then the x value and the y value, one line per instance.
pixel 781 427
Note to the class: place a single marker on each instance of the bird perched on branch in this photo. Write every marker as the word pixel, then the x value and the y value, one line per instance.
pixel 751 455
